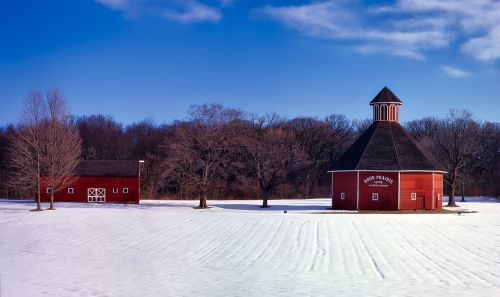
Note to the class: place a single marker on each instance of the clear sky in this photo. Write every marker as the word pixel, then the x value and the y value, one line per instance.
pixel 138 59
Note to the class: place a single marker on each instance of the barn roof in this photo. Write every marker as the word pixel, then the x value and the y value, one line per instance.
pixel 385 96
pixel 108 168
pixel 386 146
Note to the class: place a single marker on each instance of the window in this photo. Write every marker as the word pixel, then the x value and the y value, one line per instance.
pixel 115 190
pixel 342 196
pixel 71 190
pixel 49 190
pixel 125 190
pixel 413 196
pixel 438 196
pixel 375 196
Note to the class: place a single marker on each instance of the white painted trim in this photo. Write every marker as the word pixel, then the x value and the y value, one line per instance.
pixel 374 196
pixel 433 204
pixel 398 103
pixel 125 191
pixel 362 170
pixel 357 192
pixel 399 190
pixel 71 190
pixel 331 194
pixel 442 190
pixel 96 195
pixel 413 196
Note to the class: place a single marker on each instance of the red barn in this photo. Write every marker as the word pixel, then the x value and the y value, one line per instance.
pixel 114 181
pixel 385 168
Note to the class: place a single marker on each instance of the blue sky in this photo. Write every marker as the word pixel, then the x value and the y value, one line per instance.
pixel 152 59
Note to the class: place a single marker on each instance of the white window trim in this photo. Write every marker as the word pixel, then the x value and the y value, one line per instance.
pixel 71 190
pixel 115 190
pixel 375 196
pixel 125 190
pixel 342 196
pixel 48 190
pixel 413 196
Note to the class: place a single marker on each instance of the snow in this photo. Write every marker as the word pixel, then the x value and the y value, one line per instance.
pixel 235 248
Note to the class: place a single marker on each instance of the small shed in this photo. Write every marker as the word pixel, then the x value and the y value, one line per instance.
pixel 386 168
pixel 101 181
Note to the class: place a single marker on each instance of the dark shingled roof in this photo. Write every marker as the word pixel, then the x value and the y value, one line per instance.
pixel 386 95
pixel 108 168
pixel 386 146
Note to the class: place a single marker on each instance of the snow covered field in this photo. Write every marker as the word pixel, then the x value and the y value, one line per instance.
pixel 167 248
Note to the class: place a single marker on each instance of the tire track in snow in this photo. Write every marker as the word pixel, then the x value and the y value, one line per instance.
pixel 202 254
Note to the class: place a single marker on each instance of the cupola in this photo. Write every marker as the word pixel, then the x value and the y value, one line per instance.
pixel 386 106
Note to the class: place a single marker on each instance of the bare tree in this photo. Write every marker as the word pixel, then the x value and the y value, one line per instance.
pixel 26 149
pixel 46 148
pixel 103 138
pixel 272 154
pixel 61 146
pixel 456 141
pixel 199 152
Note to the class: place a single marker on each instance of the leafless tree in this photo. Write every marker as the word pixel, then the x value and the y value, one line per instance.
pixel 46 146
pixel 272 154
pixel 199 152
pixel 26 148
pixel 456 141
pixel 103 138
pixel 61 146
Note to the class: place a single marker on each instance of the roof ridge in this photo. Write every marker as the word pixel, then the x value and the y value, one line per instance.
pixel 394 144
pixel 367 145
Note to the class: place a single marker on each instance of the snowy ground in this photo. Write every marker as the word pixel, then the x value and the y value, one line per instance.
pixel 237 249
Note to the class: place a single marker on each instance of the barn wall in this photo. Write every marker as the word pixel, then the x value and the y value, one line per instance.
pixel 419 183
pixel 82 184
pixel 383 183
pixel 438 190
pixel 344 182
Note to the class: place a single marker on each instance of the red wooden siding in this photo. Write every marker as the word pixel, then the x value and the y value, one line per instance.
pixel 344 182
pixel 385 184
pixel 420 183
pixel 82 184
pixel 438 190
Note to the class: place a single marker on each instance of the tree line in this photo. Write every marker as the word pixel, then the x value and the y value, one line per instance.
pixel 224 153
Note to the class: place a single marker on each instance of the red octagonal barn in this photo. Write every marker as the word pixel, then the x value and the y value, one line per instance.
pixel 385 168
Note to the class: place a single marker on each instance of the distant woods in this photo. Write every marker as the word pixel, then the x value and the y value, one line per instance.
pixel 223 153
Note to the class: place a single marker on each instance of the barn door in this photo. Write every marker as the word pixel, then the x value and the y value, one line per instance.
pixel 96 194
pixel 420 202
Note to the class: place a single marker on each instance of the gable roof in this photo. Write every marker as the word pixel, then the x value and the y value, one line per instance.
pixel 121 168
pixel 385 96
pixel 386 146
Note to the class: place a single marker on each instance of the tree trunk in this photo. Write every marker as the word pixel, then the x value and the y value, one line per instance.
pixel 38 199
pixel 463 188
pixel 451 200
pixel 203 201
pixel 38 194
pixel 51 199
pixel 264 200
pixel 308 180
